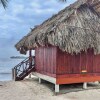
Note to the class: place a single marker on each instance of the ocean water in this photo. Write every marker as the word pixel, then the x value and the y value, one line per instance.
pixel 6 66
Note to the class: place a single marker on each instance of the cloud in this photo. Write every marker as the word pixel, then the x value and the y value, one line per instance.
pixel 20 16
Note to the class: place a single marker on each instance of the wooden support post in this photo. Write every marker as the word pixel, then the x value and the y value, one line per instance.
pixel 85 85
pixel 30 53
pixel 56 88
pixel 30 58
pixel 40 80
pixel 14 74
pixel 30 75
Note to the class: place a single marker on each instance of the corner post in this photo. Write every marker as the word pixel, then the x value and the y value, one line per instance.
pixel 85 85
pixel 40 80
pixel 30 58
pixel 56 88
pixel 14 74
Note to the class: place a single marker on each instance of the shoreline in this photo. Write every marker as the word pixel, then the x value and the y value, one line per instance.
pixel 5 77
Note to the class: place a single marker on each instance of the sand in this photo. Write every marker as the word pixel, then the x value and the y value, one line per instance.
pixel 30 89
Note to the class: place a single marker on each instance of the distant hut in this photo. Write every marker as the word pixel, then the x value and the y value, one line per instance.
pixel 67 45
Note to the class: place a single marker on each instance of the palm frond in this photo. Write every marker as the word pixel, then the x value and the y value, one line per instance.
pixel 4 3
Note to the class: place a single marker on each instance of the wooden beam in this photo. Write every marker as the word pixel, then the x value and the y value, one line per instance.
pixel 45 77
pixel 77 79
pixel 30 58
pixel 30 53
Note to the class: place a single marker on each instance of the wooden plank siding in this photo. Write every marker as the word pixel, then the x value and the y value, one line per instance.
pixel 96 67
pixel 76 63
pixel 67 63
pixel 70 67
pixel 45 60
pixel 51 61
pixel 80 79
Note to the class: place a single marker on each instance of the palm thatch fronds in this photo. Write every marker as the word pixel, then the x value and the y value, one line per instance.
pixel 4 3
pixel 73 29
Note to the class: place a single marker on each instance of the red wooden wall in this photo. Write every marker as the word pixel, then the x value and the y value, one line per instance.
pixel 45 60
pixel 76 63
pixel 52 61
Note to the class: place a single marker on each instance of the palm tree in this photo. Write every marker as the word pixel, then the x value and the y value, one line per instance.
pixel 4 3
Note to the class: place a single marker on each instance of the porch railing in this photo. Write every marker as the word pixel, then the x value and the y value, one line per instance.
pixel 23 69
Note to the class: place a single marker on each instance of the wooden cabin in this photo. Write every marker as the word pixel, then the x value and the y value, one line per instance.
pixel 67 46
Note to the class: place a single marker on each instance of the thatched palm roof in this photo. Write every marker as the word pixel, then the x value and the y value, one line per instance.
pixel 73 29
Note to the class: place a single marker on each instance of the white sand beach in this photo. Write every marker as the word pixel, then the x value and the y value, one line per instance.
pixel 32 90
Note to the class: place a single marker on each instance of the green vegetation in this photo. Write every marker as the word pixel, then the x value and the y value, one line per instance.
pixel 4 3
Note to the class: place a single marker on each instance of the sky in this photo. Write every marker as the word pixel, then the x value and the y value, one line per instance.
pixel 19 17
